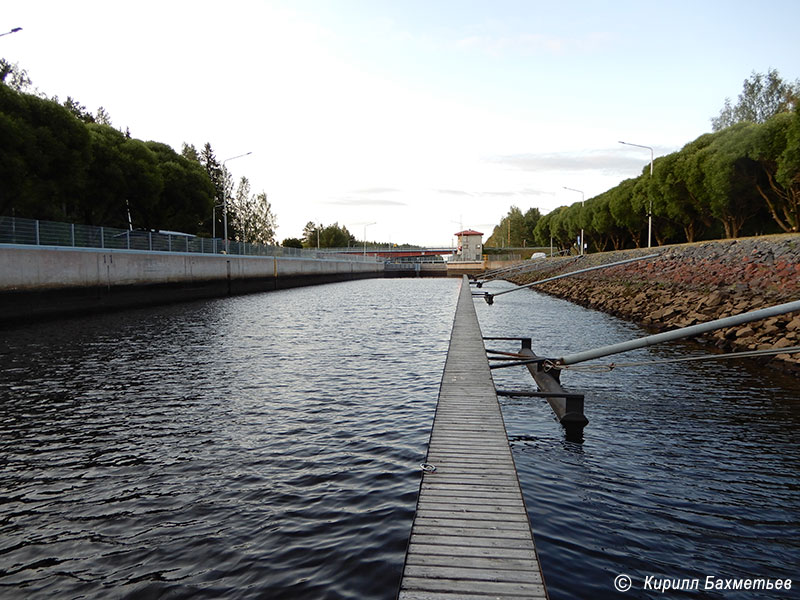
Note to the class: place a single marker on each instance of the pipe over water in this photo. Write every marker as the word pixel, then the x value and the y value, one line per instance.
pixel 490 297
pixel 679 334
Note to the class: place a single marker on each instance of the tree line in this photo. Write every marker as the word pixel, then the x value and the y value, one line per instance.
pixel 743 178
pixel 515 229
pixel 60 162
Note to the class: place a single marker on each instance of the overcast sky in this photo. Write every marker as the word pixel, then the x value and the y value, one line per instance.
pixel 423 117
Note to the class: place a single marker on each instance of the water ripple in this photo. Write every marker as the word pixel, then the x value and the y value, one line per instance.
pixel 685 471
pixel 259 446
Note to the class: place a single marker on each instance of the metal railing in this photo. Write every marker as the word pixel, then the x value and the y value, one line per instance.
pixel 390 249
pixel 34 232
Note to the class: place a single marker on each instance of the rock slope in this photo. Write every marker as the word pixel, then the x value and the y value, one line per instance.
pixel 692 283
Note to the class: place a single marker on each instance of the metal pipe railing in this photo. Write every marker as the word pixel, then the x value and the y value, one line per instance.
pixel 680 334
pixel 490 297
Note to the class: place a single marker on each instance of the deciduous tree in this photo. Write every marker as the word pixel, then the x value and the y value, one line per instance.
pixel 252 218
pixel 762 97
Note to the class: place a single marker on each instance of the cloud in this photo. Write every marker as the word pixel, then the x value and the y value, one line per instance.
pixel 366 197
pixel 607 162
pixel 535 43
pixel 350 201
pixel 455 192
pixel 376 190
pixel 503 193
pixel 532 192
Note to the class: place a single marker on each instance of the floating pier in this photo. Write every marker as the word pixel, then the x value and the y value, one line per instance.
pixel 471 537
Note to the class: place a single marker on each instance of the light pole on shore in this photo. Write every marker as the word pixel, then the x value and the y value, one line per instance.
pixel 583 197
pixel 649 193
pixel 365 236
pixel 225 198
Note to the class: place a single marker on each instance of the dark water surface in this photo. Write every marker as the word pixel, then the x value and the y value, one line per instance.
pixel 268 446
pixel 686 471
pixel 263 446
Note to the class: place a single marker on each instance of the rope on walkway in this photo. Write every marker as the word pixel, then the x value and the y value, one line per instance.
pixel 612 366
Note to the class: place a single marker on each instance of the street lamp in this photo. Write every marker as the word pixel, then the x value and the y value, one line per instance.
pixel 225 198
pixel 214 224
pixel 582 199
pixel 365 236
pixel 649 193
pixel 15 30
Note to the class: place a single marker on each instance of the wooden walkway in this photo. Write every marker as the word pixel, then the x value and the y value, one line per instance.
pixel 471 538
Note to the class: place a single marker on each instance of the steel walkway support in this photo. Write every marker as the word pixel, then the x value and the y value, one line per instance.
pixel 471 536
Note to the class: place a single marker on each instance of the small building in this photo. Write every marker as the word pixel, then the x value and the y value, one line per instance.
pixel 470 246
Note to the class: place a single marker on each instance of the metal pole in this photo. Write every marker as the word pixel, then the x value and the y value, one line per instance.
pixel 225 198
pixel 583 197
pixel 571 273
pixel 650 212
pixel 225 216
pixel 679 334
pixel 365 237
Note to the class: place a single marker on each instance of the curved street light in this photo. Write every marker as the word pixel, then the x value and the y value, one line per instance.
pixel 15 30
pixel 582 200
pixel 650 211
pixel 365 236
pixel 225 198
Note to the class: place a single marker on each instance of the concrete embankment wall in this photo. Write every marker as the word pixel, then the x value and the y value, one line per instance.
pixel 42 281
pixel 693 283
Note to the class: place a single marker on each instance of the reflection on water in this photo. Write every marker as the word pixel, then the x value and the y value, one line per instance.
pixel 267 446
pixel 263 446
pixel 686 470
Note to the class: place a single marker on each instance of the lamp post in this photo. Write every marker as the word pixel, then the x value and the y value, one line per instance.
pixel 15 30
pixel 650 211
pixel 583 197
pixel 365 236
pixel 225 198
pixel 214 224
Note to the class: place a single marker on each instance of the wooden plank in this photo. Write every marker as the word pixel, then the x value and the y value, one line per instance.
pixel 471 535
pixel 420 595
pixel 482 563
pixel 458 587
pixel 469 538
pixel 466 551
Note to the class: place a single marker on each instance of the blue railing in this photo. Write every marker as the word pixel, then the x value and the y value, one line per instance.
pixel 34 232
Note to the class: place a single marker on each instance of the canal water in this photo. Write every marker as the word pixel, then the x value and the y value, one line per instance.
pixel 261 446
pixel 686 470
pixel 268 446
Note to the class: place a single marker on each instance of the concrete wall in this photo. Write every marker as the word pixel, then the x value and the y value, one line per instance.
pixel 38 281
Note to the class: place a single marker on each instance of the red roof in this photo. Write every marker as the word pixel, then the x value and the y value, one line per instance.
pixel 468 232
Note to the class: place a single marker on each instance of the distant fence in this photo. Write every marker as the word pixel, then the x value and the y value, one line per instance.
pixel 33 232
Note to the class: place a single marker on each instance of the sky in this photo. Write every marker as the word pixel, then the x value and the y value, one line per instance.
pixel 408 120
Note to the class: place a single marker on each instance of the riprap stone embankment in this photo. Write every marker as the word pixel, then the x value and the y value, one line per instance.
pixel 692 283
